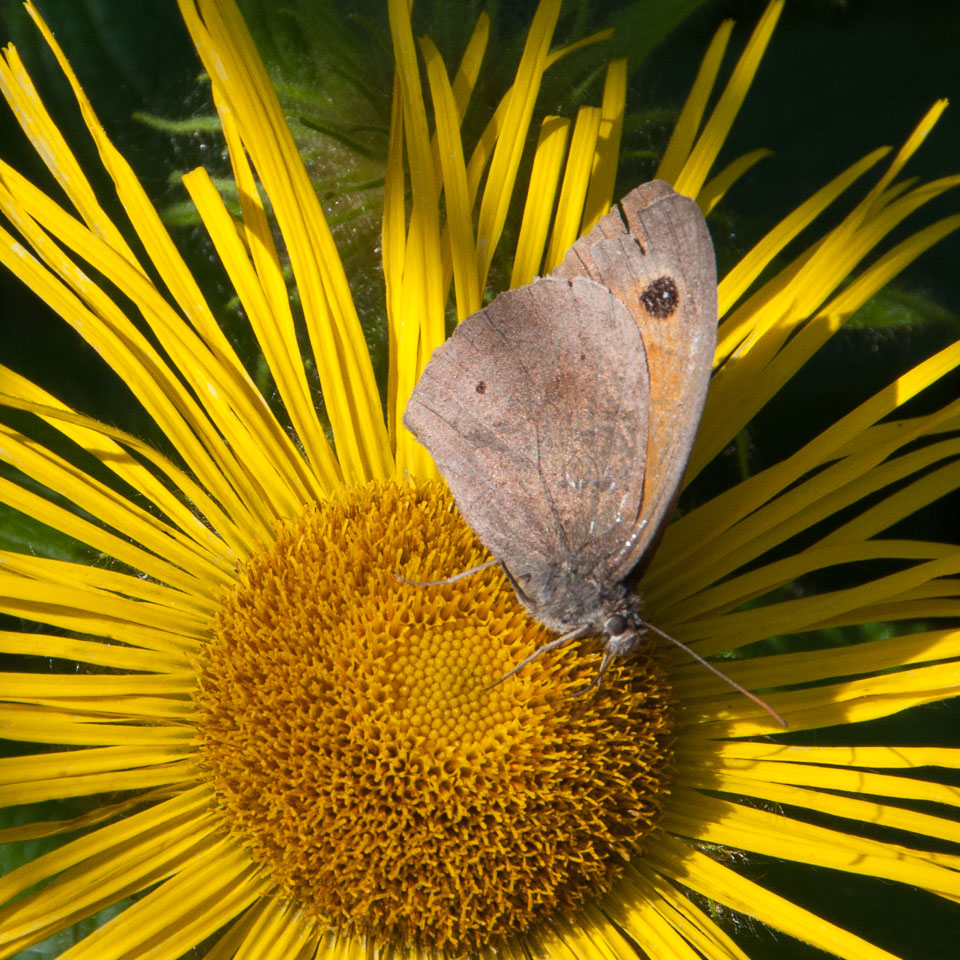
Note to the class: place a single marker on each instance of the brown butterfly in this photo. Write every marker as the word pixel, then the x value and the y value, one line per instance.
pixel 563 414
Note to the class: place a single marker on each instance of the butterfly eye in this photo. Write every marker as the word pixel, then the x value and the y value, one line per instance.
pixel 616 625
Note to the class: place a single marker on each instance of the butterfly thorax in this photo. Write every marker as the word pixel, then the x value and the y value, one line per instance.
pixel 566 602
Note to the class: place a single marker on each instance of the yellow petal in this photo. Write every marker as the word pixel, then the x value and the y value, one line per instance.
pixel 709 820
pixel 134 360
pixel 684 865
pixel 702 156
pixel 455 190
pixel 180 815
pixel 267 307
pixel 336 338
pixel 76 609
pixel 740 590
pixel 171 918
pixel 781 784
pixel 645 891
pixel 573 191
pixel 607 155
pixel 538 209
pixel 169 609
pixel 715 189
pixel 742 754
pixel 82 728
pixel 107 444
pixel 59 788
pixel 270 930
pixel 814 666
pixel 685 544
pixel 520 102
pixel 420 300
pixel 735 327
pixel 401 344
pixel 104 693
pixel 102 813
pixel 685 129
pixel 85 651
pixel 77 763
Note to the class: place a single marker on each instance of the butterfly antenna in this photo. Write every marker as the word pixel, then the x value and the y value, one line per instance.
pixel 552 645
pixel 733 683
pixel 457 576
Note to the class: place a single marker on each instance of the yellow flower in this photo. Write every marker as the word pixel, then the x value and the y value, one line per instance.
pixel 288 752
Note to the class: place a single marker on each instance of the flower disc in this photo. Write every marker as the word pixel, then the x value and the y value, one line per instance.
pixel 362 753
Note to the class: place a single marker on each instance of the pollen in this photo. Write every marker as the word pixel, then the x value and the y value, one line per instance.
pixel 364 751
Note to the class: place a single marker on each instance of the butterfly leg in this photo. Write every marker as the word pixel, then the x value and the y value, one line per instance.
pixel 552 645
pixel 457 576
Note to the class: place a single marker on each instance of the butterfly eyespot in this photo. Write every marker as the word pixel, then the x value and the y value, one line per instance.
pixel 481 387
pixel 661 298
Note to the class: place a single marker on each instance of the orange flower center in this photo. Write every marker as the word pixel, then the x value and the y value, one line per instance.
pixel 361 752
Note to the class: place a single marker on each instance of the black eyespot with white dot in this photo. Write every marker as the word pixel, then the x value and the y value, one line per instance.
pixel 661 298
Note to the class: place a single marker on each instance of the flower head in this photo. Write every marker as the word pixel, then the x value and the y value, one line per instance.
pixel 293 751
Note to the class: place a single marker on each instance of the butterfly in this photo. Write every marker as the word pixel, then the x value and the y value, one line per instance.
pixel 562 416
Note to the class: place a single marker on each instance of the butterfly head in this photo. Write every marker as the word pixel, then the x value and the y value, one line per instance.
pixel 623 631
